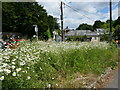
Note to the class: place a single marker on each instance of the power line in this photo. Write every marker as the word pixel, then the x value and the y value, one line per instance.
pixel 61 7
pixel 77 11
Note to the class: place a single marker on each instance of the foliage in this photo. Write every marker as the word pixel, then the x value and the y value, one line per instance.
pixel 58 31
pixel 116 33
pixel 104 37
pixel 84 27
pixel 115 28
pixel 21 16
pixel 116 22
pixel 47 34
pixel 106 26
pixel 97 24
pixel 39 64
pixel 52 24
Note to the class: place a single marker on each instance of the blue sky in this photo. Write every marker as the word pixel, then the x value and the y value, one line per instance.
pixel 88 12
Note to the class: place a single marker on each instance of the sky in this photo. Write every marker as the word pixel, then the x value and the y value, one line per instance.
pixel 88 11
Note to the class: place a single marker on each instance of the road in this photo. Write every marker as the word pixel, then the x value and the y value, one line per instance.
pixel 114 82
pixel 118 46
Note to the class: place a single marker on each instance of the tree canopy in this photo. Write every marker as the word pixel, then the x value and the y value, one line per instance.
pixel 116 25
pixel 84 26
pixel 104 25
pixel 21 16
pixel 117 22
pixel 97 24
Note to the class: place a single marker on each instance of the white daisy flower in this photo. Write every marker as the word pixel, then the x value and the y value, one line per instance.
pixel 14 73
pixel 13 62
pixel 2 78
pixel 7 71
pixel 13 67
pixel 18 69
pixel 28 77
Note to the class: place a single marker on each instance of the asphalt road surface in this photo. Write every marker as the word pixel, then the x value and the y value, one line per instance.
pixel 118 46
pixel 114 82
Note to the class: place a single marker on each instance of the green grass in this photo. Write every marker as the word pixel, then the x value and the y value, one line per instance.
pixel 49 64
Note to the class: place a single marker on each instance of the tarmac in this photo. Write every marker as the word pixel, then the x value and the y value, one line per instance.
pixel 114 82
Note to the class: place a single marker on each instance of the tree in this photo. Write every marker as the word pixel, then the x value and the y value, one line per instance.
pixel 21 16
pixel 97 24
pixel 116 22
pixel 52 24
pixel 106 26
pixel 84 27
pixel 116 33
pixel 115 28
pixel 47 34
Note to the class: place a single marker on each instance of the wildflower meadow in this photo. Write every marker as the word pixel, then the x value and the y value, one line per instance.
pixel 40 64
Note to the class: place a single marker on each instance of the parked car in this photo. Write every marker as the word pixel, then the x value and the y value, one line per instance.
pixel 13 43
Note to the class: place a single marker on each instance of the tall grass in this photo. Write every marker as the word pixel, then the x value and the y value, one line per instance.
pixel 38 64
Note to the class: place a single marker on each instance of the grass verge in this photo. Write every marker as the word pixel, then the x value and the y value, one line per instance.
pixel 48 64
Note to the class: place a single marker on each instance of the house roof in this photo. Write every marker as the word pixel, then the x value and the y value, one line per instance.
pixel 81 33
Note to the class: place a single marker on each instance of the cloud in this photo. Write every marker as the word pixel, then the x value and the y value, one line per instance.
pixel 87 12
pixel 51 7
pixel 115 13
pixel 76 0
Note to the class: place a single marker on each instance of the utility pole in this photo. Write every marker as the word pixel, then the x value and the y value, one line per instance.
pixel 62 31
pixel 110 21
